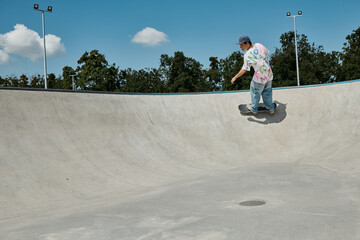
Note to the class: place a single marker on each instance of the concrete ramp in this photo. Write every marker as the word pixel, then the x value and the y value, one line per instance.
pixel 187 166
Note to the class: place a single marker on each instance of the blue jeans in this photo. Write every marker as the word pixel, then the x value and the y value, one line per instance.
pixel 258 90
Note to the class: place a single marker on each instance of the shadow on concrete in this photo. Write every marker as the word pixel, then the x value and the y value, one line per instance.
pixel 266 118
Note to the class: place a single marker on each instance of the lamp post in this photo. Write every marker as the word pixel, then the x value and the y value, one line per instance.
pixel 288 14
pixel 73 82
pixel 49 9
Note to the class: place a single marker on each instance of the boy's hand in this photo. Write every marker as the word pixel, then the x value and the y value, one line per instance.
pixel 242 71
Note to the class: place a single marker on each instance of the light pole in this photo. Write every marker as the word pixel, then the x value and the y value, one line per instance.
pixel 73 82
pixel 49 9
pixel 288 14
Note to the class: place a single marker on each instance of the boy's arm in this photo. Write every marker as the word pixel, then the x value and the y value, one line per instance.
pixel 240 73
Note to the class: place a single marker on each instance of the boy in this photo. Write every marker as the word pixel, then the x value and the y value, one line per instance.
pixel 257 56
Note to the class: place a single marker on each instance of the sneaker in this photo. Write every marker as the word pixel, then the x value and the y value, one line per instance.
pixel 250 108
pixel 272 111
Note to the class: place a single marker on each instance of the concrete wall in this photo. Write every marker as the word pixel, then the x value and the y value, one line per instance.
pixel 63 149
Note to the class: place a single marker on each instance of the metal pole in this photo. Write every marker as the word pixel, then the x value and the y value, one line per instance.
pixel 73 82
pixel 296 52
pixel 45 69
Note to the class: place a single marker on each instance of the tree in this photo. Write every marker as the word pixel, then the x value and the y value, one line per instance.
pixel 144 81
pixel 182 74
pixel 55 82
pixel 94 72
pixel 229 67
pixel 37 82
pixel 5 82
pixel 112 82
pixel 350 57
pixel 283 62
pixel 67 78
pixel 14 81
pixel 315 65
pixel 213 75
pixel 24 81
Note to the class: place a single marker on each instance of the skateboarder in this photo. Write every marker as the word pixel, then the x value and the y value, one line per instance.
pixel 257 56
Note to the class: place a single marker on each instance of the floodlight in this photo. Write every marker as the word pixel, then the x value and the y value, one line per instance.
pixel 288 14
pixel 49 9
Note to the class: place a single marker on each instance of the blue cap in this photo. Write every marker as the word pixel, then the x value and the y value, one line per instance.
pixel 243 39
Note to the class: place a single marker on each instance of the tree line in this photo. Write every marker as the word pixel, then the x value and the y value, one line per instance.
pixel 179 73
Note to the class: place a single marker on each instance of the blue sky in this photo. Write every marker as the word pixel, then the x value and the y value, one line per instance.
pixel 199 28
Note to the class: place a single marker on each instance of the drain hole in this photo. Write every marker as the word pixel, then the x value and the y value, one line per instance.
pixel 252 203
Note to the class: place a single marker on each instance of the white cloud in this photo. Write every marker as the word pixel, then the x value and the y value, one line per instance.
pixel 150 37
pixel 4 57
pixel 28 43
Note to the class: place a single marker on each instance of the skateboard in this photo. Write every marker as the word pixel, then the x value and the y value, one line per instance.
pixel 261 109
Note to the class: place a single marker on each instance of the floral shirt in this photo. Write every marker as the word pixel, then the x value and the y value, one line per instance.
pixel 258 58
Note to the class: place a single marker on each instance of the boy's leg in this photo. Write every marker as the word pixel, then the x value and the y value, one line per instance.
pixel 267 96
pixel 255 92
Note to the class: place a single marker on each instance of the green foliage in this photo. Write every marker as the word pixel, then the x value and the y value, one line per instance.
pixel 37 82
pixel 67 78
pixel 229 67
pixel 144 81
pixel 14 82
pixel 213 75
pixel 179 73
pixel 283 62
pixel 54 82
pixel 23 81
pixel 94 72
pixel 182 74
pixel 5 82
pixel 350 58
pixel 315 65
